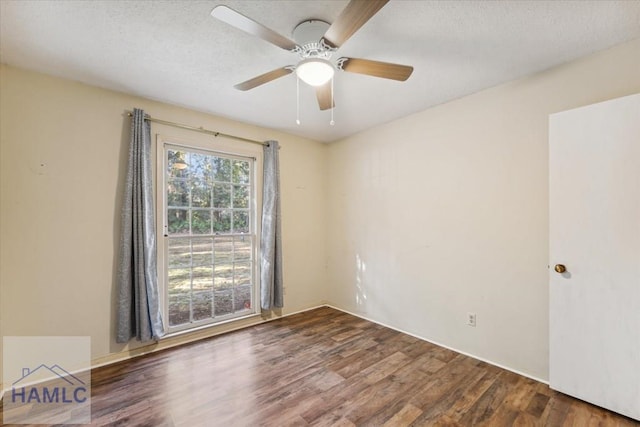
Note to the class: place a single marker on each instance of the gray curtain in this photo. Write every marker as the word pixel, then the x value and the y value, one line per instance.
pixel 138 308
pixel 271 290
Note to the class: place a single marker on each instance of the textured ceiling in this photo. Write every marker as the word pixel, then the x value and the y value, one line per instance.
pixel 174 51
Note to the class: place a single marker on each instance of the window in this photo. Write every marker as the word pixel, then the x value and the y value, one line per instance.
pixel 209 246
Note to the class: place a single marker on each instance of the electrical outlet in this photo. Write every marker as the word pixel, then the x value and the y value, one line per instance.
pixel 471 319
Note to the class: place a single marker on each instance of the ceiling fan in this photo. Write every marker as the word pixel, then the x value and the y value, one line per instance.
pixel 315 42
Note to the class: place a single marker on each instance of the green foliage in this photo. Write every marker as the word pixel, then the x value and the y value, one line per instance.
pixel 207 181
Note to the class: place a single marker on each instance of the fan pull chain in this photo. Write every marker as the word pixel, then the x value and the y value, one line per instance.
pixel 332 122
pixel 297 99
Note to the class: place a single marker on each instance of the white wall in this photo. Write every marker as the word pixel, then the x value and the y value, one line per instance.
pixel 59 224
pixel 445 212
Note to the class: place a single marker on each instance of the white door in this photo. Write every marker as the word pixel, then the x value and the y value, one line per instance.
pixel 594 204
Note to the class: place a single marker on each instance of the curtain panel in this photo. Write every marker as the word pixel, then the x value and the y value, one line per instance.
pixel 138 308
pixel 271 287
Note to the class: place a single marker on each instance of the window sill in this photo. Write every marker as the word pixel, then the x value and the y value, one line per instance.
pixel 222 325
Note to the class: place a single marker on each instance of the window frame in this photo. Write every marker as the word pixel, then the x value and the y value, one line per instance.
pixel 226 149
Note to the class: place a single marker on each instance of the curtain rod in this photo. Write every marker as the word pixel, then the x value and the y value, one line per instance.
pixel 200 129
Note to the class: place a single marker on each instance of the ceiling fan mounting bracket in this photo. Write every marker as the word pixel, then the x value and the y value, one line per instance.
pixel 308 35
pixel 309 31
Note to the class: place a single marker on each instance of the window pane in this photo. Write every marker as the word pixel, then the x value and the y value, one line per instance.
pixel 179 252
pixel 223 303
pixel 221 221
pixel 202 305
pixel 242 273
pixel 223 250
pixel 179 308
pixel 224 276
pixel 178 221
pixel 200 194
pixel 179 280
pixel 202 278
pixel 202 251
pixel 202 292
pixel 242 248
pixel 240 221
pixel 221 169
pixel 221 195
pixel 241 172
pixel 200 166
pixel 201 222
pixel 240 196
pixel 177 193
pixel 177 166
pixel 242 298
pixel 179 289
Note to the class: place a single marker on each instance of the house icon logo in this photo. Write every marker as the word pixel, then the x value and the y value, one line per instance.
pixel 48 384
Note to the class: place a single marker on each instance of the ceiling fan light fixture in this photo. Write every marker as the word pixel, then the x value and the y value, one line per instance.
pixel 179 164
pixel 315 71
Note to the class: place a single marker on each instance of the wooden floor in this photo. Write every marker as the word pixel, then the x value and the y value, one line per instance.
pixel 326 368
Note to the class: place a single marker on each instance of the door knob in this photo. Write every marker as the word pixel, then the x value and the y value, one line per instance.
pixel 560 268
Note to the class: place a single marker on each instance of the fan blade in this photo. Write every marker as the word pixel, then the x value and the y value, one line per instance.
pixel 264 78
pixel 354 16
pixel 323 93
pixel 250 26
pixel 385 70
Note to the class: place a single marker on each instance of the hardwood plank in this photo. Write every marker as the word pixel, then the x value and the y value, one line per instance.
pixel 557 410
pixel 385 367
pixel 410 381
pixel 404 416
pixel 393 395
pixel 441 383
pixel 523 394
pixel 525 420
pixel 450 394
pixel 537 405
pixel 487 405
pixel 325 367
pixel 470 397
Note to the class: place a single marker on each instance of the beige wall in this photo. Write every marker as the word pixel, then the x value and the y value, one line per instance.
pixel 59 223
pixel 445 212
